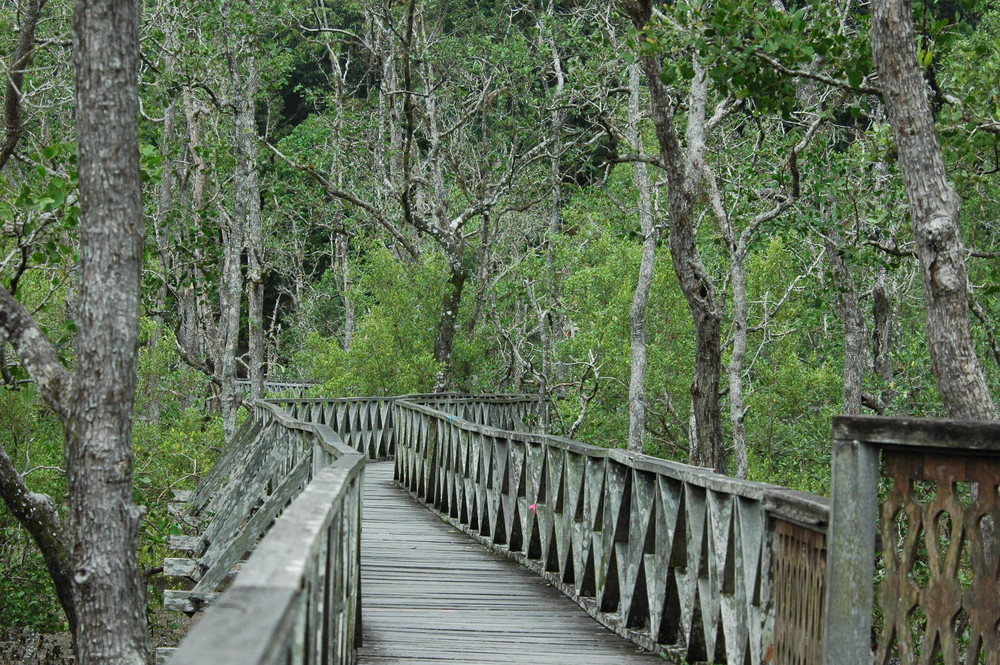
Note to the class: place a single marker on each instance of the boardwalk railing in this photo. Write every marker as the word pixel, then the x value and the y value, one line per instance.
pixel 307 452
pixel 297 598
pixel 929 488
pixel 674 557
pixel 280 389
pixel 366 423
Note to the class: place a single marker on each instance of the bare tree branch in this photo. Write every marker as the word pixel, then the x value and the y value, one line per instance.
pixel 23 56
pixel 806 74
pixel 338 193
pixel 36 352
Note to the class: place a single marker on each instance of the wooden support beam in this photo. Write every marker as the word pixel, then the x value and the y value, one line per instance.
pixel 851 553
pixel 188 568
pixel 188 602
pixel 185 543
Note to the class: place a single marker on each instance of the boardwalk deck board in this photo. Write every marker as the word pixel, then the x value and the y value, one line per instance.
pixel 433 596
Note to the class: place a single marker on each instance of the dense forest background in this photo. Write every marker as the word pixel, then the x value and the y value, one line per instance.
pixel 392 197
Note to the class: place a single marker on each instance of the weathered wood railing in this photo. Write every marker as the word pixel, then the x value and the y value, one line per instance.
pixel 937 511
pixel 520 413
pixel 363 423
pixel 674 557
pixel 366 423
pixel 280 389
pixel 297 598
pixel 265 466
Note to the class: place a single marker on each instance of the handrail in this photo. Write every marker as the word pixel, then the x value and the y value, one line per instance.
pixel 691 572
pixel 280 382
pixel 420 398
pixel 288 388
pixel 304 573
pixel 291 582
pixel 366 423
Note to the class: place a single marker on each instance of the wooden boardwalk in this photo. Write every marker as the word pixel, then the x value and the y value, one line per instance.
pixel 432 596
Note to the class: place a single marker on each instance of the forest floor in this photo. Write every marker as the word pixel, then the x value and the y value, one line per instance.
pixel 166 629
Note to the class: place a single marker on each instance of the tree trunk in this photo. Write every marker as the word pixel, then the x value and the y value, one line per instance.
pixel 552 325
pixel 104 521
pixel 245 82
pixel 882 330
pixel 195 317
pixel 737 401
pixel 849 308
pixel 934 209
pixel 38 514
pixel 229 324
pixel 707 446
pixel 484 273
pixel 255 325
pixel 342 260
pixel 447 323
pixel 640 300
pixel 22 59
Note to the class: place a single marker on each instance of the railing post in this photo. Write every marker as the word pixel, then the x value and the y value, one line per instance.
pixel 850 552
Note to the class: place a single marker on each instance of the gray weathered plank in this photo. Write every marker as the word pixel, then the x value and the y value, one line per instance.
pixel 922 432
pixel 220 561
pixel 433 595
pixel 174 567
pixel 850 563
pixel 187 601
pixel 185 543
pixel 163 654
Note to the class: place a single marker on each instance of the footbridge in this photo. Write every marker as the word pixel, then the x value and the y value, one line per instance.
pixel 451 529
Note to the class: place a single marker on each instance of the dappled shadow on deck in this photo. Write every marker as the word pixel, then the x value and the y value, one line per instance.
pixel 431 594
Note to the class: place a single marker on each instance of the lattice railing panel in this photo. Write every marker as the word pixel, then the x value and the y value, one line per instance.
pixel 364 424
pixel 940 596
pixel 519 413
pixel 674 557
pixel 801 559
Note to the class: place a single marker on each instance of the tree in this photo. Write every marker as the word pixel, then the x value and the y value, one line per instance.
pixel 95 400
pixel 684 167
pixel 244 229
pixel 934 211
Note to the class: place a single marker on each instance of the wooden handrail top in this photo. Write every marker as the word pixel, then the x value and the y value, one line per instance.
pixel 456 398
pixel 327 438
pixel 974 435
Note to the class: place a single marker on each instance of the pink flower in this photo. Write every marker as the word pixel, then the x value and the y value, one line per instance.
pixel 533 508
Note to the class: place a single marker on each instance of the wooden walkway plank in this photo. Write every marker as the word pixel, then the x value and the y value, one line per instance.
pixel 433 596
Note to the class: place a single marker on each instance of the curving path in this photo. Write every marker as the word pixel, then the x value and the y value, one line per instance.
pixel 433 596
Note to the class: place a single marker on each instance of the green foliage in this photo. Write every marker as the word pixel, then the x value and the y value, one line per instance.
pixel 166 386
pixel 392 349
pixel 745 45
pixel 33 441
pixel 795 396
pixel 171 454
